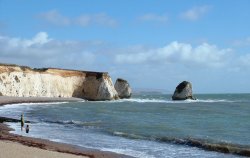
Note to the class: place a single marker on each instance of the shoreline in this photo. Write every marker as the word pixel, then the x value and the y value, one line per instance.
pixel 4 100
pixel 44 144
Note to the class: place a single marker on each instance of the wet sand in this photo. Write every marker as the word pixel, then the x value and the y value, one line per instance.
pixel 34 146
pixel 21 151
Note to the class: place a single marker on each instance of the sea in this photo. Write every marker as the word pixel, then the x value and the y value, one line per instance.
pixel 148 125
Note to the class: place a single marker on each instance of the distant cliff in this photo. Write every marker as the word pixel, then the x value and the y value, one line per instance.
pixel 22 81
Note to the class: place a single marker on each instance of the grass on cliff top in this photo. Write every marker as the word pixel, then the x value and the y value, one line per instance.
pixel 45 69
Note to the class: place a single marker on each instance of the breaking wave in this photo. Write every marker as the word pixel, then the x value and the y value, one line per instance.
pixel 148 100
pixel 75 123
pixel 14 105
pixel 243 150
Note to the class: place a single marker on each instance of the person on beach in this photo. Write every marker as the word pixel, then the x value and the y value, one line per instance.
pixel 27 129
pixel 22 122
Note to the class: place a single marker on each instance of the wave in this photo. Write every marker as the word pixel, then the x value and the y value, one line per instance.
pixel 126 135
pixel 27 106
pixel 41 103
pixel 75 123
pixel 149 100
pixel 143 100
pixel 243 150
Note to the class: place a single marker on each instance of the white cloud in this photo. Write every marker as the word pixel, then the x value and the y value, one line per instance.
pixel 55 18
pixel 95 19
pixel 11 43
pixel 242 42
pixel 154 17
pixel 195 13
pixel 83 20
pixel 182 53
pixel 244 60
pixel 44 51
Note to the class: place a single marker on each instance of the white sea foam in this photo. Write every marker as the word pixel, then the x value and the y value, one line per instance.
pixel 74 122
pixel 213 100
pixel 18 105
pixel 148 100
pixel 144 100
pixel 39 103
pixel 15 110
pixel 129 152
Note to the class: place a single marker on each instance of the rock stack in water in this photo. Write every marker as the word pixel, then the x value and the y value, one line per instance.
pixel 183 91
pixel 123 89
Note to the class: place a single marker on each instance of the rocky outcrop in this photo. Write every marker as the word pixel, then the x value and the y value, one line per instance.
pixel 123 89
pixel 23 81
pixel 183 91
pixel 100 86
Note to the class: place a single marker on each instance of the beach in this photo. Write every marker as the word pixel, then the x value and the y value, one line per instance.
pixel 21 151
pixel 13 144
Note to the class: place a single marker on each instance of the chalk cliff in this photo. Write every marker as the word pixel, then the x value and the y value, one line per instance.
pixel 23 81
pixel 123 88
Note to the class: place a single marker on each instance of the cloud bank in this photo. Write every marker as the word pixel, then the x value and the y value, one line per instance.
pixel 48 51
pixel 176 52
pixel 44 51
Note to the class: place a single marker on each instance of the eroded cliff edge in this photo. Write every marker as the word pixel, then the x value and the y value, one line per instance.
pixel 22 81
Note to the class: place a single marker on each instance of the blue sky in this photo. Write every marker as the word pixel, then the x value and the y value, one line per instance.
pixel 153 44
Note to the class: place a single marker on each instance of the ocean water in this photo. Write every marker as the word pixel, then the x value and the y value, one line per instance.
pixel 149 125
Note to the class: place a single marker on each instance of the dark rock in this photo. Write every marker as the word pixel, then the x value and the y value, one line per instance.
pixel 7 119
pixel 123 88
pixel 183 91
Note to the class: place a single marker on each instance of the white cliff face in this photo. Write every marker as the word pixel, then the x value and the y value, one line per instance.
pixel 34 85
pixel 25 82
pixel 105 88
pixel 123 88
pixel 99 86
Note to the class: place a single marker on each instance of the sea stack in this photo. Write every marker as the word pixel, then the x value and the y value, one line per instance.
pixel 123 88
pixel 183 91
pixel 22 81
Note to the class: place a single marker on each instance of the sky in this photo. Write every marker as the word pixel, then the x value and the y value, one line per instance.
pixel 154 45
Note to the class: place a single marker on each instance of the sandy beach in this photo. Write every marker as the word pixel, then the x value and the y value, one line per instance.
pixel 12 145
pixel 21 151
